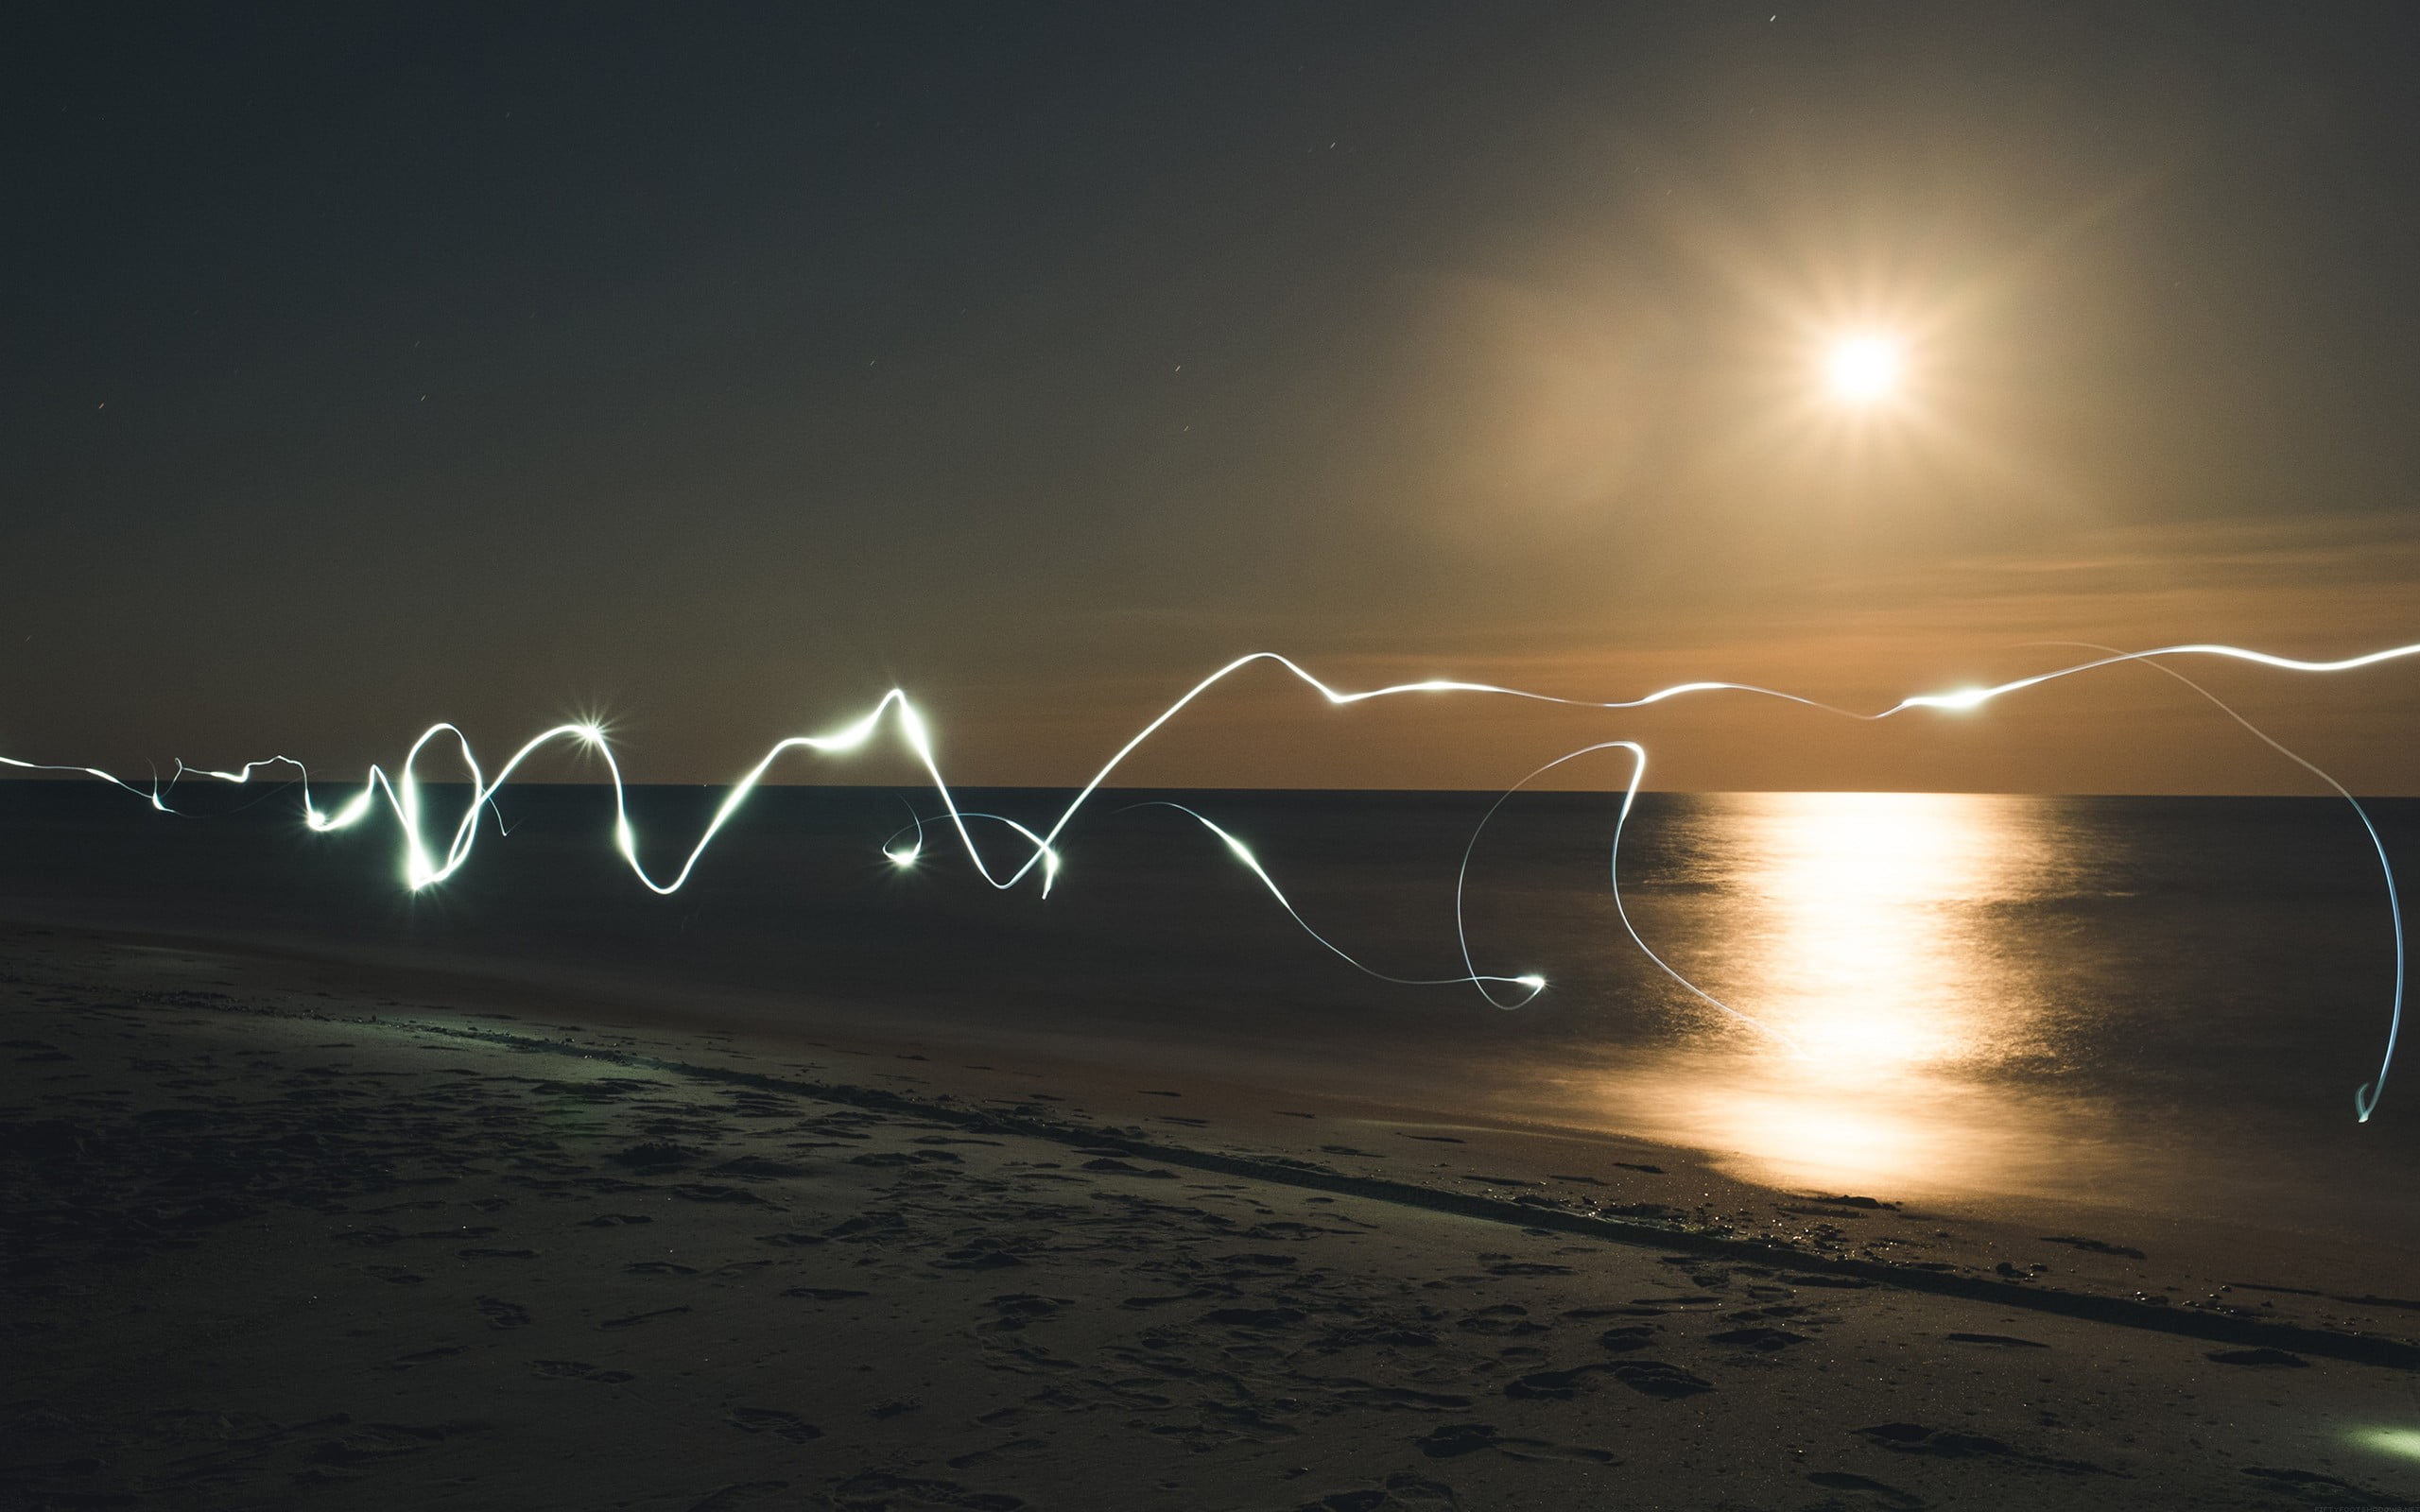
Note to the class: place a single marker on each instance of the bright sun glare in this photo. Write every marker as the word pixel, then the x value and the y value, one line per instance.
pixel 1864 368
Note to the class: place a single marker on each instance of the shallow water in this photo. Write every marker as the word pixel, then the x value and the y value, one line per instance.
pixel 2161 1004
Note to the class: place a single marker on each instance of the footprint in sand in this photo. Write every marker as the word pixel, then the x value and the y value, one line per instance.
pixel 1456 1439
pixel 368 1443
pixel 1624 1339
pixel 1758 1338
pixel 1017 1309
pixel 984 1254
pixel 1651 1377
pixel 1503 1321
pixel 504 1314
pixel 578 1370
pixel 772 1420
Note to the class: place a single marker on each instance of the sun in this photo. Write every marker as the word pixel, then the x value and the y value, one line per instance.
pixel 1862 370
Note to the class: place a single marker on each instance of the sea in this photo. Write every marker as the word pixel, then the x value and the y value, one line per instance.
pixel 2165 1005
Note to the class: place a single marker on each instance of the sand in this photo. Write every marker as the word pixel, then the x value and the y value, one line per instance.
pixel 292 1233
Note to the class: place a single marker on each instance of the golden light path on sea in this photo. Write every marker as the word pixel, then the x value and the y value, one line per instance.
pixel 1854 930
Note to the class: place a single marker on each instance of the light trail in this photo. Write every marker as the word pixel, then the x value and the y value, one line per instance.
pixel 1533 982
pixel 426 867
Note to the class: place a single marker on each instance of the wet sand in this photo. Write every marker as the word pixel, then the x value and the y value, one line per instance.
pixel 288 1232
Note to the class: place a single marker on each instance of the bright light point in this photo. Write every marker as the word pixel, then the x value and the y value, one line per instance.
pixel 594 734
pixel 1862 370
pixel 1962 698
pixel 902 859
pixel 1534 983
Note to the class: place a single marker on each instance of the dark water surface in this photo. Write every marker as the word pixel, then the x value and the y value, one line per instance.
pixel 2164 1003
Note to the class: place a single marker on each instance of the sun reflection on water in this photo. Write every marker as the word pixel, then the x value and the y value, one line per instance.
pixel 1858 925
pixel 1850 897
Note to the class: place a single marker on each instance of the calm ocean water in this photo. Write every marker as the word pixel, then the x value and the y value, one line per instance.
pixel 2164 1003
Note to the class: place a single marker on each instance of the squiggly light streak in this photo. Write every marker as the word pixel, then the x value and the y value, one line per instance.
pixel 1612 872
pixel 2366 1099
pixel 421 872
pixel 109 778
pixel 1242 852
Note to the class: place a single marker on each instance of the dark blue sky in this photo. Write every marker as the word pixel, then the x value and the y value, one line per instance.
pixel 716 366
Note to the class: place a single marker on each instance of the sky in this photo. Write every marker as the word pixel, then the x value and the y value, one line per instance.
pixel 712 369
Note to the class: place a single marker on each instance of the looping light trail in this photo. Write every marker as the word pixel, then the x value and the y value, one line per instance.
pixel 426 866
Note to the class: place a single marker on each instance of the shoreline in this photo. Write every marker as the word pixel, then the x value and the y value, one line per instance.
pixel 2213 1323
pixel 2333 1282
pixel 282 1245
pixel 242 1189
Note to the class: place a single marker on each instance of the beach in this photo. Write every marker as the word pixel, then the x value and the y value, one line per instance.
pixel 290 1230
pixel 1261 758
